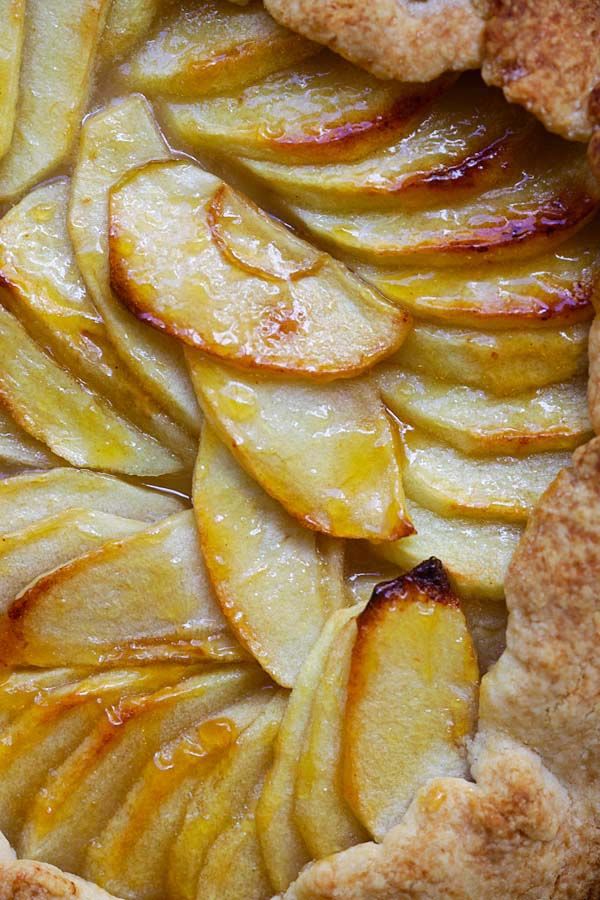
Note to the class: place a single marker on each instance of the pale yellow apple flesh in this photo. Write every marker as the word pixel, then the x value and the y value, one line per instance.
pixel 17 448
pixel 12 16
pixel 127 23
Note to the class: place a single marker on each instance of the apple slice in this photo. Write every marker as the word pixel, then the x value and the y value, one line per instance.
pixel 265 566
pixel 25 499
pixel 283 847
pixel 554 417
pixel 131 857
pixel 12 16
pixel 235 283
pixel 320 810
pixel 444 480
pixel 487 626
pixel 212 47
pixel 475 553
pixel 80 796
pixel 500 362
pixel 45 292
pixel 412 696
pixel 75 423
pixel 118 138
pixel 128 21
pixel 59 51
pixel 20 688
pixel 322 110
pixel 222 798
pixel 45 733
pixel 95 609
pixel 52 542
pixel 17 448
pixel 326 452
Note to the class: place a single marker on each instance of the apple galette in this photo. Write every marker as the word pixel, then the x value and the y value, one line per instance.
pixel 299 575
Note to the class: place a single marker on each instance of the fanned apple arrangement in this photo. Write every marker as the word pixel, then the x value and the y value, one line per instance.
pixel 356 312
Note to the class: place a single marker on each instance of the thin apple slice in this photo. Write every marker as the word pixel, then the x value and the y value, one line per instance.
pixel 118 138
pixel 475 553
pixel 321 110
pixel 59 51
pixel 95 609
pixel 446 481
pixel 212 47
pixel 52 542
pixel 553 289
pixel 247 879
pixel 25 499
pixel 43 289
pixel 12 16
pixel 45 733
pixel 75 423
pixel 326 452
pixel 132 855
pixel 283 847
pixel 128 22
pixel 265 566
pixel 500 362
pixel 80 796
pixel 222 798
pixel 412 696
pixel 20 688
pixel 554 417
pixel 237 284
pixel 17 448
pixel 322 815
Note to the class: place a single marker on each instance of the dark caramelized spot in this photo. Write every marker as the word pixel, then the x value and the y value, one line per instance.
pixel 426 582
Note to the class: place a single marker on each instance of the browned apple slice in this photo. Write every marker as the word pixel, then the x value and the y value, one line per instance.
pixel 25 499
pixel 12 16
pixel 283 847
pixel 326 452
pixel 17 448
pixel 61 37
pixel 212 47
pixel 132 856
pixel 78 425
pixel 216 804
pixel 265 567
pixel 20 688
pixel 45 292
pixel 80 796
pixel 412 696
pixel 554 417
pixel 114 140
pixel 322 814
pixel 95 609
pixel 128 21
pixel 321 111
pixel 237 284
pixel 500 362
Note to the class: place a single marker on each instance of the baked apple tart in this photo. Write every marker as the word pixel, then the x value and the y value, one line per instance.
pixel 299 574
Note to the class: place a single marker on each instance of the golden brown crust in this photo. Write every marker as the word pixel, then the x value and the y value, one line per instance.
pixel 545 54
pixel 528 827
pixel 413 40
pixel 28 880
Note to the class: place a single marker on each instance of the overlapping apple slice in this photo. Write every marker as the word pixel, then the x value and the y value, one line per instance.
pixel 17 448
pixel 217 803
pixel 113 141
pixel 57 65
pixel 266 568
pixel 45 292
pixel 500 362
pixel 554 417
pixel 451 484
pixel 75 423
pixel 128 22
pixel 320 111
pixel 25 499
pixel 192 257
pixel 326 452
pixel 12 16
pixel 81 796
pixel 95 609
pixel 412 696
pixel 212 763
pixel 211 47
pixel 476 553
